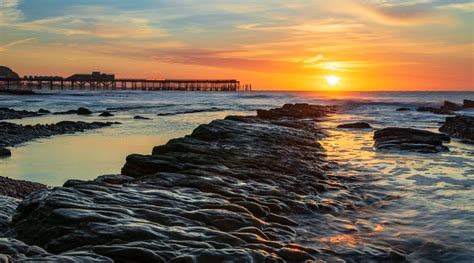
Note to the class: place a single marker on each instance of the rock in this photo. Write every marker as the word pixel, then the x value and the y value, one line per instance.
pixel 403 109
pixel 468 104
pixel 18 188
pixel 106 114
pixel 7 113
pixel 138 117
pixel 461 127
pixel 298 110
pixel 43 111
pixel 12 134
pixel 448 105
pixel 4 152
pixel 442 111
pixel 234 190
pixel 224 193
pixel 410 139
pixel 425 109
pixel 113 179
pixel 355 125
pixel 66 112
pixel 83 111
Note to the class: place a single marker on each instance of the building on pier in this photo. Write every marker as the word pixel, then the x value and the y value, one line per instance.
pixel 95 76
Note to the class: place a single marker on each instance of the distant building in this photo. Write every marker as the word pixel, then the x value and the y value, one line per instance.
pixel 95 76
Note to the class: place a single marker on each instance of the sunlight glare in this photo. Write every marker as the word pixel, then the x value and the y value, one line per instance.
pixel 332 80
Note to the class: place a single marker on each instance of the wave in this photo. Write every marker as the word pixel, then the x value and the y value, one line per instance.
pixel 138 107
pixel 213 109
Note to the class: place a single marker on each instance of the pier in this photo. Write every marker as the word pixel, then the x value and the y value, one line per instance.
pixel 98 81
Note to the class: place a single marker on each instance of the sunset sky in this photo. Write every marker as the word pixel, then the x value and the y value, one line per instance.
pixel 294 45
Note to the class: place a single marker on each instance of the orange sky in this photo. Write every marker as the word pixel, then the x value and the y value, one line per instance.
pixel 275 45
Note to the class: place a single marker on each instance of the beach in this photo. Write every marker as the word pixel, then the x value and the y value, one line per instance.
pixel 286 185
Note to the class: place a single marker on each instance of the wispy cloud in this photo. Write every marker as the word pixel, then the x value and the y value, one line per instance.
pixel 9 12
pixel 14 43
pixel 466 7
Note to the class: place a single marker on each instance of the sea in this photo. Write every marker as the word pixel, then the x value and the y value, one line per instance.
pixel 432 195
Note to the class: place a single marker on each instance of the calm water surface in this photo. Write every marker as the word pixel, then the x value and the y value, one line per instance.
pixel 431 196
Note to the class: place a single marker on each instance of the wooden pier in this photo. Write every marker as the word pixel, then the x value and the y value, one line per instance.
pixel 59 83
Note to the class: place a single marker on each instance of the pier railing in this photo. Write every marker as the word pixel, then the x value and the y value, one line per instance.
pixel 124 84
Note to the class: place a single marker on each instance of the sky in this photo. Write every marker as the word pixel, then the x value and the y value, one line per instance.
pixel 272 44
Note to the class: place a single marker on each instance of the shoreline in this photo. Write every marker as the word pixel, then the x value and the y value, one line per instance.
pixel 267 174
pixel 243 214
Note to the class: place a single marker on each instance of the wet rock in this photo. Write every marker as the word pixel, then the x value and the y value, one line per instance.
pixel 138 117
pixel 4 152
pixel 18 188
pixel 468 104
pixel 448 105
pixel 8 206
pixel 66 112
pixel 298 110
pixel 430 109
pixel 113 179
pixel 83 111
pixel 461 127
pixel 442 111
pixel 224 193
pixel 7 113
pixel 12 134
pixel 403 109
pixel 410 140
pixel 355 125
pixel 43 111
pixel 106 114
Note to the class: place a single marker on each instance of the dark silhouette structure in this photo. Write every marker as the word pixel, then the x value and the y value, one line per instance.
pixel 98 80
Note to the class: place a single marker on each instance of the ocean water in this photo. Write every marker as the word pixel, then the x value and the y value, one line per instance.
pixel 429 212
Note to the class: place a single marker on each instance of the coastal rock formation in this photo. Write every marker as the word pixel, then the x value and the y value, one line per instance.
pixel 231 191
pixel 79 111
pixel 18 188
pixel 299 110
pixel 43 111
pixel 66 112
pixel 461 127
pixel 448 105
pixel 403 109
pixel 355 125
pixel 468 104
pixel 423 108
pixel 12 134
pixel 106 114
pixel 410 140
pixel 138 117
pixel 83 111
pixel 9 114
pixel 441 111
pixel 4 152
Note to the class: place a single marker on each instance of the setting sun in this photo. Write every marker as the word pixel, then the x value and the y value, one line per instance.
pixel 332 80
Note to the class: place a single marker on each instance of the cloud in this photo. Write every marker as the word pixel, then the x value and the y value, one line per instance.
pixel 106 27
pixel 9 12
pixel 391 13
pixel 466 7
pixel 17 42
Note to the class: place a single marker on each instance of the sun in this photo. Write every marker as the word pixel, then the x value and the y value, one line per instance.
pixel 332 80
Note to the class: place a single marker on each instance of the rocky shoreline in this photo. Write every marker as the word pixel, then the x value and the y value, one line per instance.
pixel 228 191
pixel 236 189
